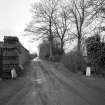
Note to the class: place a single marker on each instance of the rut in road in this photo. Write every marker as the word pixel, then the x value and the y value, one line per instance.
pixel 89 96
pixel 45 85
pixel 60 86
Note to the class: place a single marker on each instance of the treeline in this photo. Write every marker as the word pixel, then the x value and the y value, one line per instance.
pixel 65 20
pixel 57 22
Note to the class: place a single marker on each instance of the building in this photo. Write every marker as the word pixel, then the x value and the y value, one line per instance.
pixel 24 55
pixel 1 57
pixel 13 54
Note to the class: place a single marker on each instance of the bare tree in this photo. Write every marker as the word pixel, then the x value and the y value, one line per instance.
pixel 78 15
pixel 82 13
pixel 98 8
pixel 60 18
pixel 61 25
pixel 99 12
pixel 42 22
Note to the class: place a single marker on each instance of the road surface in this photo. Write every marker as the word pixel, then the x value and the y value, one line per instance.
pixel 44 84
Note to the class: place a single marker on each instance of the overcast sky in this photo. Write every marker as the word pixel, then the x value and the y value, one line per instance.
pixel 14 15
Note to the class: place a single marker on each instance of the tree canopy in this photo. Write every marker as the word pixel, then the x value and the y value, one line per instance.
pixel 66 20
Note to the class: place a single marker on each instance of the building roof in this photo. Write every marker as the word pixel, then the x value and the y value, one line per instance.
pixel 11 38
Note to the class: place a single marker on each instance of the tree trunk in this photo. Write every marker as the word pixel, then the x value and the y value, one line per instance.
pixel 50 39
pixel 79 55
pixel 51 48
pixel 79 45
pixel 79 42
pixel 62 44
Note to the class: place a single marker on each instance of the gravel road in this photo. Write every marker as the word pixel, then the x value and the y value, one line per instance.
pixel 44 84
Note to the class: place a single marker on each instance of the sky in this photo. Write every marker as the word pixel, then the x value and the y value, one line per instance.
pixel 14 16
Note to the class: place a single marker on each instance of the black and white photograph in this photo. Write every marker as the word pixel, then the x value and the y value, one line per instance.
pixel 52 52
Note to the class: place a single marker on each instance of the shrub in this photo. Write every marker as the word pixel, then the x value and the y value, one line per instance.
pixel 57 51
pixel 56 58
pixel 32 56
pixel 74 61
pixel 96 53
